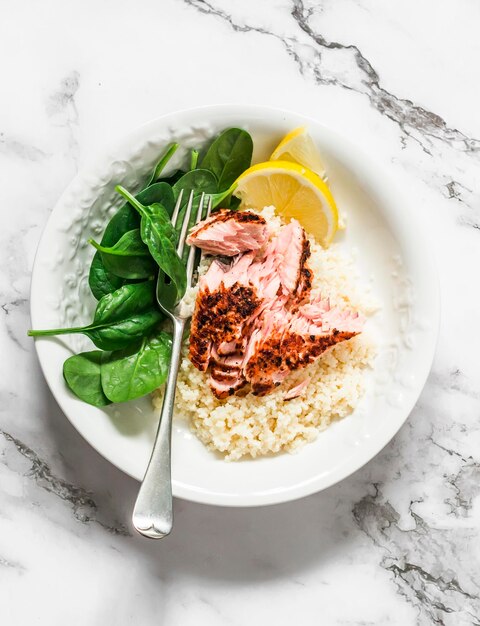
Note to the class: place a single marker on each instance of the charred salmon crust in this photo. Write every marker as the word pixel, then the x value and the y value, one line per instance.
pixel 280 354
pixel 224 389
pixel 223 215
pixel 218 318
pixel 304 281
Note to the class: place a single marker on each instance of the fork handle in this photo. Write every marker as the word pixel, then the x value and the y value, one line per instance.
pixel 153 511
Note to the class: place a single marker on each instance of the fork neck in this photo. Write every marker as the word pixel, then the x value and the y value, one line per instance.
pixel 178 328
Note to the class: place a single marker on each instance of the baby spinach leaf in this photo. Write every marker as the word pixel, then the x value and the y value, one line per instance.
pixel 119 334
pixel 172 178
pixel 161 193
pixel 82 375
pixel 113 335
pixel 161 238
pixel 229 156
pixel 128 258
pixel 101 280
pixel 158 193
pixel 133 298
pixel 120 317
pixel 164 159
pixel 124 220
pixel 223 198
pixel 159 235
pixel 199 181
pixel 127 217
pixel 137 370
pixel 129 244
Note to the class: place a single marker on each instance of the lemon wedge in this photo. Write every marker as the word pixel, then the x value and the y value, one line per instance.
pixel 298 147
pixel 295 191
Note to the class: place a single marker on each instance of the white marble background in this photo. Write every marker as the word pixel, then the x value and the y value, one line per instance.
pixel 398 542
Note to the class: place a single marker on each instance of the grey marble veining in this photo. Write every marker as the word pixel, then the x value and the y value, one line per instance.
pixel 357 74
pixel 397 542
pixel 84 508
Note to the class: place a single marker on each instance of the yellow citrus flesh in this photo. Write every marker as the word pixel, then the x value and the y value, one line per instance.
pixel 294 191
pixel 298 147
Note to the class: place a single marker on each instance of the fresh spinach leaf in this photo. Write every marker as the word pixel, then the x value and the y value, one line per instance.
pixel 229 156
pixel 128 299
pixel 226 200
pixel 199 181
pixel 158 193
pixel 159 235
pixel 172 178
pixel 137 370
pixel 129 244
pixel 120 317
pixel 101 280
pixel 128 258
pixel 127 217
pixel 119 334
pixel 82 375
pixel 113 335
pixel 164 159
pixel 223 198
pixel 161 238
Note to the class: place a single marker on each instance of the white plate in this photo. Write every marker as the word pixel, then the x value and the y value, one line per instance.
pixel 391 249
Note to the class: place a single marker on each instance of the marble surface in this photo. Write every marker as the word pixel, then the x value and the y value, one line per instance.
pixel 398 542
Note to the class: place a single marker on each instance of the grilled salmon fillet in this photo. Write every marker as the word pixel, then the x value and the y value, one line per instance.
pixel 288 340
pixel 229 233
pixel 255 320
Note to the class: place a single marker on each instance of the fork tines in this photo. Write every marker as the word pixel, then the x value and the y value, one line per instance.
pixel 193 258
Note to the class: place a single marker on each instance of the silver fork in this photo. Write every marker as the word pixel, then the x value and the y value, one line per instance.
pixel 153 511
